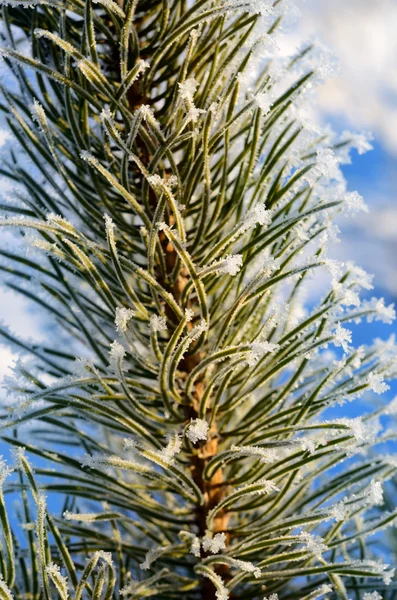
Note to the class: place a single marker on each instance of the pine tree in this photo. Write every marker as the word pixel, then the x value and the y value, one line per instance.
pixel 172 213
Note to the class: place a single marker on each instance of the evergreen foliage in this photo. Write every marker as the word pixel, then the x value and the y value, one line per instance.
pixel 172 212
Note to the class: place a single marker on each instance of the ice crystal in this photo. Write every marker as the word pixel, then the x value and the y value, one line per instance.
pixel 322 590
pixel 258 215
pixel 256 7
pixel 147 113
pixel 117 353
pixel 195 547
pixel 374 496
pixel 271 597
pixel 173 447
pixel 259 350
pixel 187 89
pixel 313 543
pixel 231 264
pixel 84 517
pixel 123 315
pixel 326 165
pixel 150 557
pixel 376 383
pixel 5 471
pixel 189 314
pixel 338 511
pixel 248 567
pixel 263 101
pixel 372 596
pixel 222 593
pixel 379 311
pixel 158 323
pixel 354 203
pixel 342 337
pixel 197 430
pixel 214 544
pixel 266 455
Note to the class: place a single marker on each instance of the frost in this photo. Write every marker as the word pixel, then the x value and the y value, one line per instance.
pixel 215 544
pixel 374 496
pixel 335 267
pixel 248 567
pixel 147 113
pixel 376 383
pixel 271 597
pixel 60 582
pixel 222 593
pixel 259 350
pixel 158 323
pixel 264 101
pixel 338 512
pixel 231 264
pixel 123 315
pixel 173 447
pixel 197 430
pixel 377 568
pixel 187 89
pixel 361 278
pixel 189 314
pixel 5 471
pixel 195 547
pixel 342 337
pixel 150 557
pixel 313 543
pixel 379 311
pixel 256 7
pixel 327 166
pixel 84 517
pixel 267 455
pixel 258 215
pixel 117 353
pixel 308 445
pixel 372 596
pixel 266 487
pixel 354 203
pixel 322 590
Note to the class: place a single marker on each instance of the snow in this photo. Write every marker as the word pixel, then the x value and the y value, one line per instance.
pixel 197 430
